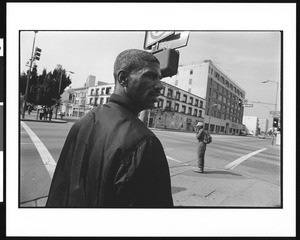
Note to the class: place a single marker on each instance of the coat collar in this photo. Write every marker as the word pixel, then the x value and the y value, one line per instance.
pixel 118 99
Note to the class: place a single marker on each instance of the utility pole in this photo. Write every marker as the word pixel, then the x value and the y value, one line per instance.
pixel 277 84
pixel 28 77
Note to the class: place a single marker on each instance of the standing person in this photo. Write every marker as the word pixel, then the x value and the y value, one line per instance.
pixel 202 137
pixel 110 158
pixel 45 112
pixel 50 113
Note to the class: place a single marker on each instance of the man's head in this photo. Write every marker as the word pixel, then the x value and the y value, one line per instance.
pixel 137 77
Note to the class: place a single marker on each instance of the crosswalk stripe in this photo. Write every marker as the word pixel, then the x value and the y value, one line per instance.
pixel 47 158
pixel 238 161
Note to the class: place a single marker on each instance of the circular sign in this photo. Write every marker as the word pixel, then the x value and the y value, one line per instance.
pixel 153 37
pixel 156 34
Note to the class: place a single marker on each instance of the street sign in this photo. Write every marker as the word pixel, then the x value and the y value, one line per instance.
pixel 275 113
pixel 175 41
pixel 153 37
pixel 248 105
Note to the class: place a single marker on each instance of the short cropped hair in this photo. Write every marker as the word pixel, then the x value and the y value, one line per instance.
pixel 133 59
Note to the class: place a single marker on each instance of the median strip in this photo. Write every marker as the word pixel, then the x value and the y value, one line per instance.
pixel 238 161
pixel 47 158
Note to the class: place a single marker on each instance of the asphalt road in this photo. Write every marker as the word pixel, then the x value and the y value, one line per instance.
pixel 249 156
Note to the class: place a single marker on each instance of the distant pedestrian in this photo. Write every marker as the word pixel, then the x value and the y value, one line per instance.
pixel 45 113
pixel 29 109
pixel 203 138
pixel 50 113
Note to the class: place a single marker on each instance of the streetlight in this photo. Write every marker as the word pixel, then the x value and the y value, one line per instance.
pixel 28 76
pixel 277 84
pixel 209 111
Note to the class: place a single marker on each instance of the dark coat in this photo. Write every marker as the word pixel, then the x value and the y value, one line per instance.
pixel 110 159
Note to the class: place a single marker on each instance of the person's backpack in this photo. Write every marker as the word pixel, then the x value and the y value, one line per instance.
pixel 207 138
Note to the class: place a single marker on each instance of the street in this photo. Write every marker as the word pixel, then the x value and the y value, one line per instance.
pixel 239 170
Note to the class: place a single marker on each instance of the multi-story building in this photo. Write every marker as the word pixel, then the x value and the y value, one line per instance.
pixel 79 106
pixel 263 125
pixel 98 95
pixel 90 81
pixel 177 109
pixel 251 125
pixel 224 97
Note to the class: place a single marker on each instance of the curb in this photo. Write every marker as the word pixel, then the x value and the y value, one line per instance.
pixel 46 121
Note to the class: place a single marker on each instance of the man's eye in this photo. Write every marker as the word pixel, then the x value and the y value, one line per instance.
pixel 152 76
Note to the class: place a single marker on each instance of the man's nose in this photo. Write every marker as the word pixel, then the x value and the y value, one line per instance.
pixel 158 85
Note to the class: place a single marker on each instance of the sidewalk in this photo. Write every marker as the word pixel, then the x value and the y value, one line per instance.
pixel 221 188
pixel 33 118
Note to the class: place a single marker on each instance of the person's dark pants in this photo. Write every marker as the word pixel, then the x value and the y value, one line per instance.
pixel 200 154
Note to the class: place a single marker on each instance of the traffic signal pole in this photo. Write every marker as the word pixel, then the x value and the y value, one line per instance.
pixel 28 77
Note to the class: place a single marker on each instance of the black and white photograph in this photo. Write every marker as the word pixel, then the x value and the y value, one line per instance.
pixel 160 122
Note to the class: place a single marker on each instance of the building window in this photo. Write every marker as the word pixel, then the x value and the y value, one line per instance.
pixel 220 98
pixel 214 96
pixel 191 100
pixel 178 96
pixel 101 101
pixel 184 98
pixel 191 71
pixel 201 104
pixel 176 107
pixel 196 102
pixel 190 111
pixel 107 91
pixel 92 91
pixel 215 85
pixel 189 90
pixel 190 81
pixel 200 113
pixel 160 103
pixel 170 93
pixel 195 112
pixel 183 109
pixel 163 91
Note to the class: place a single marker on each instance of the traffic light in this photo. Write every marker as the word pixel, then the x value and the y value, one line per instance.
pixel 240 102
pixel 37 53
pixel 275 122
pixel 168 59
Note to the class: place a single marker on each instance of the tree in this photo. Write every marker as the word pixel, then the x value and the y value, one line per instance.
pixel 43 89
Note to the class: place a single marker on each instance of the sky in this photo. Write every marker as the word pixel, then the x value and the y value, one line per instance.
pixel 246 57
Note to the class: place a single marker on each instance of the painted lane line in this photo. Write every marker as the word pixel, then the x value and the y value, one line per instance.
pixel 238 161
pixel 173 159
pixel 47 158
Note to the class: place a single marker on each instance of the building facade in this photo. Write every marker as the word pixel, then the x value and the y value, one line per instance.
pixel 177 109
pixel 99 95
pixel 263 125
pixel 224 98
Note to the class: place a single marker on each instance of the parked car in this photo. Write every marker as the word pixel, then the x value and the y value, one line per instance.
pixel 263 136
pixel 243 133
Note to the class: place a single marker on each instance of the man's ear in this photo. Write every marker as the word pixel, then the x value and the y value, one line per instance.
pixel 123 78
